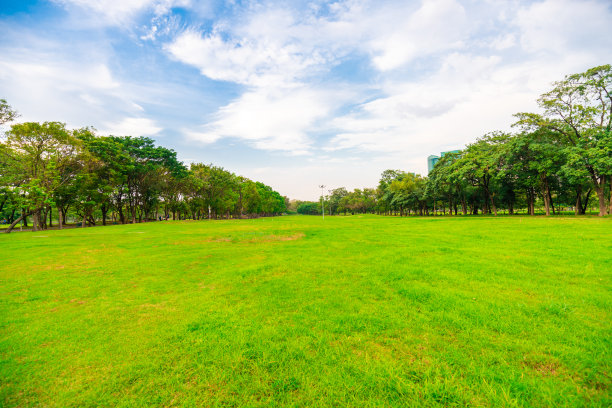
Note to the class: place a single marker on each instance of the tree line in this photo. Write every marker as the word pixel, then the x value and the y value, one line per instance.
pixel 555 160
pixel 48 172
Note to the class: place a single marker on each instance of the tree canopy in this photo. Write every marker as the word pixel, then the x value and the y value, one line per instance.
pixel 46 167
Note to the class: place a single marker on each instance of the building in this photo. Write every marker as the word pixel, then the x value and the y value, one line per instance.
pixel 433 159
pixel 431 162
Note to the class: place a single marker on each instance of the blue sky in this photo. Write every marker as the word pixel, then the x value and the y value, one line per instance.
pixel 295 93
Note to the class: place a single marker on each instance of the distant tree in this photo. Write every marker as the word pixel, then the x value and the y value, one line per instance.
pixel 387 202
pixel 309 208
pixel 251 198
pixel 335 196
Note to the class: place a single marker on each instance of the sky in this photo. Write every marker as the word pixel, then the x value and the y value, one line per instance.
pixel 296 93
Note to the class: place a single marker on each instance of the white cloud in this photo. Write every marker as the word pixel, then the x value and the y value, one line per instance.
pixel 121 12
pixel 268 48
pixel 68 76
pixel 436 26
pixel 503 42
pixel 270 119
pixel 201 136
pixel 132 127
pixel 241 61
pixel 43 89
pixel 270 44
pixel 277 53
pixel 466 98
pixel 77 89
pixel 561 26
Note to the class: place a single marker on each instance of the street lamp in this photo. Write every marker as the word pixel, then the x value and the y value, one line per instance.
pixel 322 187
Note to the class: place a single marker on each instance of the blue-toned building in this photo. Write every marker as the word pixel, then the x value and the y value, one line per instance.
pixel 433 159
pixel 431 162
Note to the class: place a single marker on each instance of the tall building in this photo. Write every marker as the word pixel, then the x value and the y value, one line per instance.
pixel 433 159
pixel 431 162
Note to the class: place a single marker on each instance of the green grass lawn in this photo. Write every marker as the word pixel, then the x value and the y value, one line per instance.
pixel 360 311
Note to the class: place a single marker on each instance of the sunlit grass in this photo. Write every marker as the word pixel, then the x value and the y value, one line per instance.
pixel 296 311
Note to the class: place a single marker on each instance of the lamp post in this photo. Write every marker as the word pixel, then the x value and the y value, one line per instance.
pixel 322 187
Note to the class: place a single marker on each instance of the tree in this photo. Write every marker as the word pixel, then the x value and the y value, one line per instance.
pixel 141 168
pixel 44 157
pixel 480 165
pixel 578 112
pixel 309 208
pixel 386 197
pixel 7 114
pixel 335 196
pixel 251 200
pixel 444 182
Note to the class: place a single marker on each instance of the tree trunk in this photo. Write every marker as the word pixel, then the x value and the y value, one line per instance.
pixel 530 201
pixel 60 217
pixel 490 197
pixel 43 218
pixel 552 203
pixel 602 200
pixel 10 228
pixel 546 195
pixel 546 203
pixel 599 184
pixel 35 221
pixel 586 201
pixel 610 196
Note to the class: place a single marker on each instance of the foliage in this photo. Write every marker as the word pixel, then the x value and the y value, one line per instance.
pixel 309 208
pixel 7 114
pixel 46 167
pixel 578 116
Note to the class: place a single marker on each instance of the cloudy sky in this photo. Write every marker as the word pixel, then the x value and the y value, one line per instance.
pixel 295 93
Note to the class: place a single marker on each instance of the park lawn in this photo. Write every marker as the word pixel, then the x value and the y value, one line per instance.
pixel 361 311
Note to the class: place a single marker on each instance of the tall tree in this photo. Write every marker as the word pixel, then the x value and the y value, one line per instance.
pixel 45 155
pixel 480 165
pixel 578 111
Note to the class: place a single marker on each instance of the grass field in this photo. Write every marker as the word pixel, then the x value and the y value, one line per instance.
pixel 360 311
